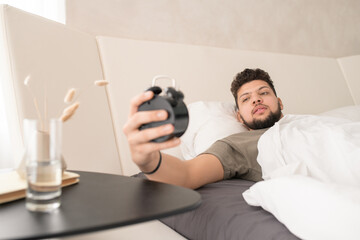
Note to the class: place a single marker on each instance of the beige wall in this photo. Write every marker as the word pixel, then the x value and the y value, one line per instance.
pixel 327 28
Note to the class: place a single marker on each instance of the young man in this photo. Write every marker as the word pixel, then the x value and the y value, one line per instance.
pixel 234 156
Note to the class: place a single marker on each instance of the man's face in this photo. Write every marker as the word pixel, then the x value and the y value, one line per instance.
pixel 258 105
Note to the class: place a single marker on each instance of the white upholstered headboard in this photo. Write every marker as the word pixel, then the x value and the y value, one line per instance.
pixel 307 85
pixel 57 58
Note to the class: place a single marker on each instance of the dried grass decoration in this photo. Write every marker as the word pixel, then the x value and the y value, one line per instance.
pixel 65 115
pixel 69 111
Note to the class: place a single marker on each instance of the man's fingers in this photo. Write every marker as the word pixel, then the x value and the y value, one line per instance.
pixel 146 135
pixel 143 117
pixel 138 100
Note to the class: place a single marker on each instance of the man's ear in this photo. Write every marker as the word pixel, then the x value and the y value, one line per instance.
pixel 280 102
pixel 238 117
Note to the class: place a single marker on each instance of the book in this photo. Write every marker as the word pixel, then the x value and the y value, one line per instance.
pixel 13 187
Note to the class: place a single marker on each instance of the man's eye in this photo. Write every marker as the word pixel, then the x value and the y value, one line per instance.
pixel 245 99
pixel 264 93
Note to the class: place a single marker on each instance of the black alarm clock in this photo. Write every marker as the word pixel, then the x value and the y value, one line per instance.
pixel 172 102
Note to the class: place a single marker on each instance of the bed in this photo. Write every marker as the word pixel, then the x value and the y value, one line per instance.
pixel 291 205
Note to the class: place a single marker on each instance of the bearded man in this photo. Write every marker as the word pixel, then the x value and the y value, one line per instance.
pixel 258 108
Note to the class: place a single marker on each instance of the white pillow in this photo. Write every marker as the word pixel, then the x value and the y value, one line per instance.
pixel 309 208
pixel 351 113
pixel 208 122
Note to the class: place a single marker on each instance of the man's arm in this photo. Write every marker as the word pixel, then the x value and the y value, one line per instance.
pixel 194 173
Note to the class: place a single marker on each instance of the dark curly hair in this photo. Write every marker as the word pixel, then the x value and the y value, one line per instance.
pixel 249 75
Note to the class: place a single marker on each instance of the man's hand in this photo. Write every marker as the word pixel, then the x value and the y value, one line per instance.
pixel 144 152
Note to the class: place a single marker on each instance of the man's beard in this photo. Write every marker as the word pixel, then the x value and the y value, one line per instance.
pixel 265 123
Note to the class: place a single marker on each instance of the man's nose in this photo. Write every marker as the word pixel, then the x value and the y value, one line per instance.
pixel 257 99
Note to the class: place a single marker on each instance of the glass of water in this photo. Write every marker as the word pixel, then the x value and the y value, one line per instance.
pixel 43 164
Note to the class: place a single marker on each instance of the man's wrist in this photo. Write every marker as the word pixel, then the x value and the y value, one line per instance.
pixel 157 166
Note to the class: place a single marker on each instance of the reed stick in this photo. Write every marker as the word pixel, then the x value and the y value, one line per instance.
pixel 27 83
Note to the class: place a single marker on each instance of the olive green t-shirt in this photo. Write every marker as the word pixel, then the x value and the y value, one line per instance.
pixel 238 153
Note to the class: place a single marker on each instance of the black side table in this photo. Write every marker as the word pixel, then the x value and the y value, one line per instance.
pixel 98 202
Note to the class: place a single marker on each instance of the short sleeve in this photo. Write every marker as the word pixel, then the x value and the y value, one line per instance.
pixel 237 154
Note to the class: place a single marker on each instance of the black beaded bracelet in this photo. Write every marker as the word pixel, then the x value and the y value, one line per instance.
pixel 157 167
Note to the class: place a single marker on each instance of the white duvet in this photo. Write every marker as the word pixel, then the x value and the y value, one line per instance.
pixel 311 168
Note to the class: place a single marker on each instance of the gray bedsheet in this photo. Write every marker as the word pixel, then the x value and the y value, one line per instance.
pixel 224 215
